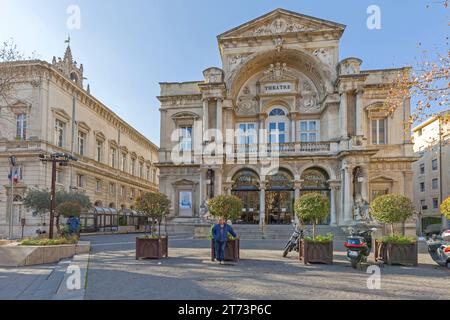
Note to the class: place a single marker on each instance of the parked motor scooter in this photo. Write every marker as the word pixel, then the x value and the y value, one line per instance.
pixel 359 246
pixel 292 244
pixel 439 248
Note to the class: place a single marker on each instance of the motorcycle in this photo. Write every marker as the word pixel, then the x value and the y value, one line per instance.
pixel 359 246
pixel 292 244
pixel 439 249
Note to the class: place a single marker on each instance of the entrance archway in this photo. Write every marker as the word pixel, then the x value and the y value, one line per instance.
pixel 316 180
pixel 246 187
pixel 280 198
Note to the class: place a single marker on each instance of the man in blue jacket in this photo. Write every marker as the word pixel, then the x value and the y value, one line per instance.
pixel 220 236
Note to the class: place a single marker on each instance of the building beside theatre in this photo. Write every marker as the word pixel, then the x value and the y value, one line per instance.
pixel 303 121
pixel 432 170
pixel 51 111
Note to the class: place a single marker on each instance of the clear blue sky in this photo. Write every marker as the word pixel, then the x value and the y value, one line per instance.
pixel 129 46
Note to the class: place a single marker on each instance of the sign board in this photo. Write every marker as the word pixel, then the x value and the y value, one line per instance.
pixel 277 88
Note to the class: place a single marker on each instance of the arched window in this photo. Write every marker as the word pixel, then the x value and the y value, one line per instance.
pixel 277 112
pixel 277 123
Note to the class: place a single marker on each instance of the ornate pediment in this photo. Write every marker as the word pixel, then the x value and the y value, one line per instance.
pixel 280 22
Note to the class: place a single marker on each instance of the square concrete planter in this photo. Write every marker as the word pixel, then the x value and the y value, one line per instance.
pixel 231 250
pixel 315 252
pixel 397 254
pixel 152 248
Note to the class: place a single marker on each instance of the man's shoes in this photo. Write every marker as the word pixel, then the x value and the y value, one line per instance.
pixel 221 262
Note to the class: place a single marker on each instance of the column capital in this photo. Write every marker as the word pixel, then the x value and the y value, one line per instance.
pixel 298 184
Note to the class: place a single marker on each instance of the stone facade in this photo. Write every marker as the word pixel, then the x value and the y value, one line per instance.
pixel 282 85
pixel 428 170
pixel 50 111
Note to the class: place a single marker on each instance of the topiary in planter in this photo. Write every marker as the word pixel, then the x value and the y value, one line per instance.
pixel 395 249
pixel 156 206
pixel 312 208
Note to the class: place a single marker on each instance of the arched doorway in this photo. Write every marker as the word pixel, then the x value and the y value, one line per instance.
pixel 246 187
pixel 279 198
pixel 316 180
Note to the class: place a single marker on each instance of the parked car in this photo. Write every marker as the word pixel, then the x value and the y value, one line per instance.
pixel 432 229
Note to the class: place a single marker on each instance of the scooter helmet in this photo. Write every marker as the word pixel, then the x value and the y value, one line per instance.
pixel 446 235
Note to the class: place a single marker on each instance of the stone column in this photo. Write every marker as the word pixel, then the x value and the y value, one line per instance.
pixel 201 190
pixel 333 212
pixel 293 128
pixel 297 188
pixel 218 182
pixel 262 204
pixel 348 197
pixel 359 112
pixel 219 116
pixel 365 184
pixel 343 116
pixel 205 119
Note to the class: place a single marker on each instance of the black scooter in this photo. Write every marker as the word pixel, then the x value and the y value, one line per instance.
pixel 359 246
pixel 292 244
pixel 439 249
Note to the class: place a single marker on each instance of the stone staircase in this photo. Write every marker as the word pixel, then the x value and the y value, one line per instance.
pixel 282 232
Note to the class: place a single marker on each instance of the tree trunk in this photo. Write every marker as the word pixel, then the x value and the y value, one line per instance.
pixel 58 229
pixel 314 231
pixel 392 229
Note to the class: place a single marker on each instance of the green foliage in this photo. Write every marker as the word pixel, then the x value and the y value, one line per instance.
pixel 321 239
pixel 392 208
pixel 154 205
pixel 49 242
pixel 39 200
pixel 312 208
pixel 227 207
pixel 397 239
pixel 445 208
pixel 69 209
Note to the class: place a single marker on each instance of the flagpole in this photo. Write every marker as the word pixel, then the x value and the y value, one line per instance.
pixel 12 160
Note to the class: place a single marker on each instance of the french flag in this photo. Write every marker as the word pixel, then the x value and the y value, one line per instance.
pixel 15 175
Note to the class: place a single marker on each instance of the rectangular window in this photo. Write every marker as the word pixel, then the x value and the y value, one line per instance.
pixel 186 139
pixel 60 177
pixel 122 191
pixel 141 170
pixel 98 150
pixel 21 125
pixel 247 133
pixel 435 203
pixel 113 156
pixel 435 184
pixel 277 132
pixel 148 174
pixel 422 187
pixel 98 185
pixel 123 162
pixel 379 131
pixel 422 168
pixel 154 176
pixel 81 143
pixel 309 131
pixel 423 205
pixel 112 188
pixel 133 166
pixel 60 128
pixel 434 165
pixel 80 181
pixel 132 193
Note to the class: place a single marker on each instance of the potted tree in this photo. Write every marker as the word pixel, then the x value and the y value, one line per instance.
pixel 154 205
pixel 229 208
pixel 394 249
pixel 313 208
pixel 445 210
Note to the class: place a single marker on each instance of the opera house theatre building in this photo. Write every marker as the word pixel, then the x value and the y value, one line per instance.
pixel 283 116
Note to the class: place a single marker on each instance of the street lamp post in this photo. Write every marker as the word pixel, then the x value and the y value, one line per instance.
pixel 12 161
pixel 63 160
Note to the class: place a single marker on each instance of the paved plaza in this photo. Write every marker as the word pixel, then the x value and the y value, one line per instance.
pixel 261 274
pixel 189 274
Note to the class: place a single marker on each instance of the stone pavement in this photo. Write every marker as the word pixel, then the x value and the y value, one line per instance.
pixel 46 282
pixel 261 274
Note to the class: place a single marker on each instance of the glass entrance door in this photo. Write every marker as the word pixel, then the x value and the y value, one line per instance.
pixel 279 207
pixel 250 210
